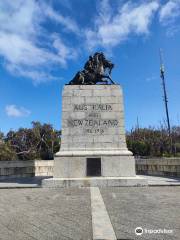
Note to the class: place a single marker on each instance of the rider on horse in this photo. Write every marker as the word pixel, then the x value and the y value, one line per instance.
pixel 94 71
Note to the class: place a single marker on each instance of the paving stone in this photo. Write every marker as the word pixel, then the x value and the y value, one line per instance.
pixel 45 214
pixel 28 214
pixel 146 207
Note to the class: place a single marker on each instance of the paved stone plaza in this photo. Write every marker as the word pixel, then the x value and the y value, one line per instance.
pixel 35 213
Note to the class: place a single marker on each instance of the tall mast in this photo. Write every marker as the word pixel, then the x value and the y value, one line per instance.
pixel 162 74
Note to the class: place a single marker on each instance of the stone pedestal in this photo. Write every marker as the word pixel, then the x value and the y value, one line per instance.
pixel 93 144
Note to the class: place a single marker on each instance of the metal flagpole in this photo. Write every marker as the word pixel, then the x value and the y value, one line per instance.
pixel 162 74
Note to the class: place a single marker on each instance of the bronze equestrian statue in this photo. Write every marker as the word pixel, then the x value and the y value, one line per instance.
pixel 96 70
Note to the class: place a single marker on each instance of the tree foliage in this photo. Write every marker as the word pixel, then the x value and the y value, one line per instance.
pixel 6 152
pixel 154 142
pixel 39 142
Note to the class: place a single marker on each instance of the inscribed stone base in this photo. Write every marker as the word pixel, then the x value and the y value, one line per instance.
pixel 110 166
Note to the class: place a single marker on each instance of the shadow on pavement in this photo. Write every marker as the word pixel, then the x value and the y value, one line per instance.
pixel 25 180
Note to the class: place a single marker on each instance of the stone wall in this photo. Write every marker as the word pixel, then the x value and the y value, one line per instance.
pixel 28 168
pixel 159 166
pixel 154 166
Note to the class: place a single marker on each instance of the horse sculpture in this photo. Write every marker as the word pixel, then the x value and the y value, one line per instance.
pixel 96 70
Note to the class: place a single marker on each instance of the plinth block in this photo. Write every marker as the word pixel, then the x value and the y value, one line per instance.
pixel 93 145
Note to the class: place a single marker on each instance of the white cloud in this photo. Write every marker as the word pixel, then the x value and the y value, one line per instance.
pixel 65 53
pixel 112 28
pixel 21 51
pixel 37 76
pixel 169 12
pixel 27 48
pixel 67 22
pixel 14 111
pixel 19 16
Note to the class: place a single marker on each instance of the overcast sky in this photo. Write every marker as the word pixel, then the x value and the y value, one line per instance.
pixel 44 43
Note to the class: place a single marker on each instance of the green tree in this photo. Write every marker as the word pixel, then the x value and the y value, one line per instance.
pixel 154 142
pixel 39 142
pixel 48 139
pixel 6 152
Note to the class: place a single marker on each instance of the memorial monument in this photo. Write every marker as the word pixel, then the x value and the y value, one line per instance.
pixel 93 146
